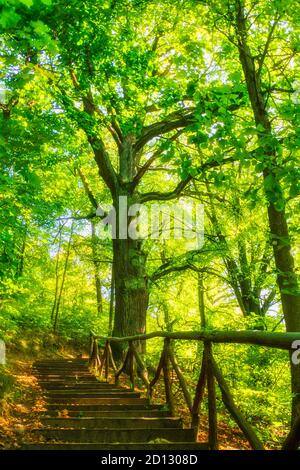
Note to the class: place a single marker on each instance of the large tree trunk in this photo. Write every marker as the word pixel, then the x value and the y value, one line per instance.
pixel 129 260
pixel 279 233
pixel 131 293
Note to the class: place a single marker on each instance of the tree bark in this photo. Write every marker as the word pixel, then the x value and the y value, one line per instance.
pixel 292 441
pixel 279 232
pixel 260 338
pixel 131 292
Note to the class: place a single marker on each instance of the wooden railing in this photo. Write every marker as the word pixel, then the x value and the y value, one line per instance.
pixel 210 374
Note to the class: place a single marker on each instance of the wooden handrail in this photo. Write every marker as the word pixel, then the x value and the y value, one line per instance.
pixel 259 338
pixel 210 373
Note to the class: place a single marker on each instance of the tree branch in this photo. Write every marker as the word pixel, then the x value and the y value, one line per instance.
pixel 153 157
pixel 7 108
pixel 101 156
pixel 267 45
pixel 175 120
pixel 176 192
pixel 165 271
pixel 88 189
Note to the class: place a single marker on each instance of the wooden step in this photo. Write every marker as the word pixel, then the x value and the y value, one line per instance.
pixel 184 446
pixel 99 401
pixel 119 435
pixel 113 422
pixel 84 413
pixel 66 385
pixel 61 368
pixel 71 363
pixel 66 378
pixel 64 365
pixel 112 413
pixel 82 394
pixel 56 362
pixel 61 373
pixel 104 406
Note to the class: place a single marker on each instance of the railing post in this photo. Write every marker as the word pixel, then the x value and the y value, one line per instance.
pixel 167 377
pixel 212 403
pixel 210 373
pixel 123 367
pixel 157 373
pixel 111 358
pixel 106 360
pixel 131 365
pixel 94 359
pixel 200 389
pixel 182 382
pixel 142 371
pixel 90 347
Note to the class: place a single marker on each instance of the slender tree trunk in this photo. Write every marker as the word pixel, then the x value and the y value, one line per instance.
pixel 229 262
pixel 111 300
pixel 201 302
pixel 59 297
pixel 56 275
pixel 97 277
pixel 201 306
pixel 167 322
pixel 279 233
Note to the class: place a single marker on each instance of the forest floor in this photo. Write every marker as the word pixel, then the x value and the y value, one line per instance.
pixel 19 407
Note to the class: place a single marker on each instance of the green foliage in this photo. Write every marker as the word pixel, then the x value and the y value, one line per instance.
pixel 86 85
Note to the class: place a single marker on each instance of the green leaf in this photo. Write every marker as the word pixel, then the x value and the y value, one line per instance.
pixel 294 190
pixel 39 27
pixel 27 3
pixel 9 18
pixel 235 76
pixel 260 128
pixel 199 138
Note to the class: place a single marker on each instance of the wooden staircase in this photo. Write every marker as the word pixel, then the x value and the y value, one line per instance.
pixel 86 414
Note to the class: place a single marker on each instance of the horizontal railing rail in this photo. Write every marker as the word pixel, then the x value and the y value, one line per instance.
pixel 210 373
pixel 256 337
